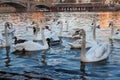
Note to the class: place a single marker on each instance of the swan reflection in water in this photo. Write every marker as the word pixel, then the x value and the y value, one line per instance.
pixel 43 59
pixel 33 56
pixel 83 66
pixel 82 69
pixel 7 59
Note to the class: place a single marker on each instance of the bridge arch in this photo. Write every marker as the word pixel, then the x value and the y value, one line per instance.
pixel 41 6
pixel 18 6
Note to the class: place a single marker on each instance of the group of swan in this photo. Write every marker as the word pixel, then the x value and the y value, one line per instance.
pixel 45 34
pixel 78 43
pixel 33 46
pixel 46 39
pixel 97 52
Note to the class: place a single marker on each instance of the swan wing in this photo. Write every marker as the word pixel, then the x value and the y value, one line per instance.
pixel 32 46
pixel 98 52
pixel 28 46
pixel 76 44
pixel 103 51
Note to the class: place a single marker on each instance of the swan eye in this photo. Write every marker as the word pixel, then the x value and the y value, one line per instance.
pixel 76 32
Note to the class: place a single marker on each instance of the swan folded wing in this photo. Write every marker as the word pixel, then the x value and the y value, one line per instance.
pixel 32 46
pixel 75 44
pixel 92 49
pixel 19 47
pixel 28 46
pixel 100 52
pixel 90 55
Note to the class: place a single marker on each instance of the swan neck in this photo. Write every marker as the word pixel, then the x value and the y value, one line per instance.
pixel 6 37
pixel 15 40
pixel 44 40
pixel 82 67
pixel 83 50
pixel 94 32
pixel 36 26
pixel 61 27
pixel 42 34
pixel 67 26
pixel 112 31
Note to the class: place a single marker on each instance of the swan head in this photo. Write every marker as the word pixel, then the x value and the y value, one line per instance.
pixel 7 25
pixel 118 29
pixel 15 37
pixel 47 27
pixel 79 32
pixel 111 24
pixel 33 22
pixel 48 41
pixel 98 27
pixel 59 22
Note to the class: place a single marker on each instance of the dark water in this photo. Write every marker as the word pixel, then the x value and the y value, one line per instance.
pixel 60 63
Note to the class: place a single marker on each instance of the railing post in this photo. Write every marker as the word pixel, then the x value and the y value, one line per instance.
pixel 28 5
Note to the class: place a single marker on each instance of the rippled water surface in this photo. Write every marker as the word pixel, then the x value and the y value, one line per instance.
pixel 59 63
pixel 62 63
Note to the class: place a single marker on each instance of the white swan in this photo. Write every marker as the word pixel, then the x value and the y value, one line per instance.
pixel 32 46
pixel 53 34
pixel 115 36
pixel 112 29
pixel 112 35
pixel 78 43
pixel 98 51
pixel 66 34
pixel 6 42
pixel 56 30
pixel 69 33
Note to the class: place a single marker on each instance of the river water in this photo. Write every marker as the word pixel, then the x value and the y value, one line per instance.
pixel 60 62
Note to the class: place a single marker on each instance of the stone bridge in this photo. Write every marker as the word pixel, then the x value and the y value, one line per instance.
pixel 28 5
pixel 25 5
